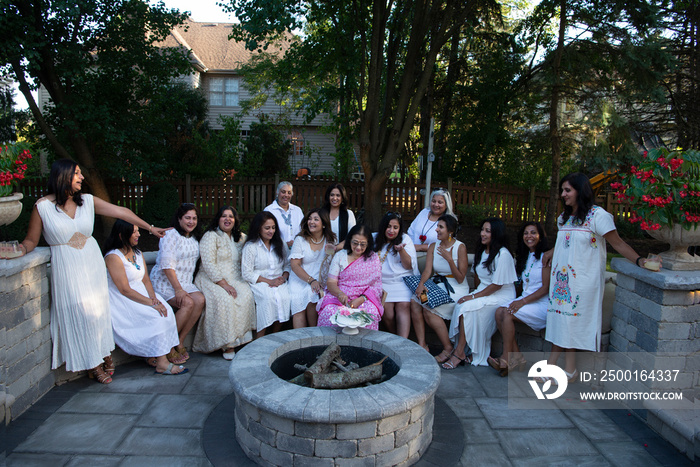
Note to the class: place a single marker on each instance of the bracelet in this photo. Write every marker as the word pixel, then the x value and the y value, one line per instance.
pixel 637 262
pixel 310 280
pixel 150 229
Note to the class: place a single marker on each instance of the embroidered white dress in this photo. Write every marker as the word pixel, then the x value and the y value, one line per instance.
pixel 139 329
pixel 393 271
pixel 533 314
pixel 178 253
pixel 226 321
pixel 289 221
pixel 271 303
pixel 81 328
pixel 479 313
pixel 300 291
pixel 442 267
pixel 575 315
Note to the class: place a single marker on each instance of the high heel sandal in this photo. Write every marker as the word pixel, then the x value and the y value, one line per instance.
pixel 442 354
pixel 108 365
pixel 516 365
pixel 448 365
pixel 183 352
pixel 100 375
pixel 496 363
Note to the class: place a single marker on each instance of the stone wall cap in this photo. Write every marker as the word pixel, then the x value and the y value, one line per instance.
pixel 664 279
pixel 254 382
pixel 36 257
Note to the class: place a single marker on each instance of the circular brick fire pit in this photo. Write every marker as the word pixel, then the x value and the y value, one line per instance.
pixel 284 424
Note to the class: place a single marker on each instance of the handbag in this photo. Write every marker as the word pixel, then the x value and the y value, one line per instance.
pixel 436 294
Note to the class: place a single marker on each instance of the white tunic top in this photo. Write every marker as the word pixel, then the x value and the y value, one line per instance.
pixel 289 221
pixel 533 314
pixel 335 224
pixel 575 315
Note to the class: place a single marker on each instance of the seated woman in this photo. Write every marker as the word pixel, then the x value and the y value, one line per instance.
pixel 309 252
pixel 447 259
pixel 265 267
pixel 229 317
pixel 354 279
pixel 473 318
pixel 531 307
pixel 173 272
pixel 143 323
pixel 398 257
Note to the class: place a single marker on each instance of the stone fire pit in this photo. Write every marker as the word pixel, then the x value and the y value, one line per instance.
pixel 284 424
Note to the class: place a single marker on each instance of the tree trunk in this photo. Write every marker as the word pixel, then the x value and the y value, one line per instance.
pixel 554 134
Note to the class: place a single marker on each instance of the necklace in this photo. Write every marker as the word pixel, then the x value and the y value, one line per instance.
pixel 132 260
pixel 423 237
pixel 526 274
pixel 383 258
pixel 311 239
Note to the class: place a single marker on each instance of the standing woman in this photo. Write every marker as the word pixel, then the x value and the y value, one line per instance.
pixel 288 215
pixel 531 307
pixel 306 259
pixel 229 318
pixel 81 328
pixel 447 260
pixel 574 316
pixel 336 203
pixel 265 266
pixel 173 272
pixel 143 323
pixel 354 279
pixel 398 257
pixel 474 318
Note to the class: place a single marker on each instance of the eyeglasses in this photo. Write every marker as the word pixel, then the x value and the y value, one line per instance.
pixel 395 213
pixel 356 243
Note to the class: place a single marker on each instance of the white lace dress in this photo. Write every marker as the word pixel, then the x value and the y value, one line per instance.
pixel 271 303
pixel 139 329
pixel 81 328
pixel 226 321
pixel 178 253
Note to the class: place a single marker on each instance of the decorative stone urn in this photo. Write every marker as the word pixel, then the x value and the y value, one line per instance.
pixel 677 257
pixel 10 208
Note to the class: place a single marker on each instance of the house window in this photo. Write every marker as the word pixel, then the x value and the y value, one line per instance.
pixel 223 92
pixel 297 140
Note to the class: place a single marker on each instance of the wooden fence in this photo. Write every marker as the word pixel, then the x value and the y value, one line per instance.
pixel 406 196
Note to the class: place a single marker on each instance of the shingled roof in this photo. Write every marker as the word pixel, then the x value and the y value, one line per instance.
pixel 211 49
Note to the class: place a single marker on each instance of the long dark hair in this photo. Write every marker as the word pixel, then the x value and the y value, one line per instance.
pixel 254 232
pixel 214 224
pixel 360 229
pixel 60 182
pixel 522 251
pixel 183 209
pixel 381 239
pixel 119 237
pixel 342 209
pixel 498 240
pixel 451 222
pixel 325 222
pixel 584 197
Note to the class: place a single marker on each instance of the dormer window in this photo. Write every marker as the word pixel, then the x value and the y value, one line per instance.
pixel 223 92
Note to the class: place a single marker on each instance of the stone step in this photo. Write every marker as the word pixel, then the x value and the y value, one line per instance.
pixel 680 427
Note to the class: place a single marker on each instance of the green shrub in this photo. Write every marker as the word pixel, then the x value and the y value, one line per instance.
pixel 159 204
pixel 628 230
pixel 18 229
pixel 472 215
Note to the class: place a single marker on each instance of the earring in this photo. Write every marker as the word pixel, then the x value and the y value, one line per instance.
pixel 450 237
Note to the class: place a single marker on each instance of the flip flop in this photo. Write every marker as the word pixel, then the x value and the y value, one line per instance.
pixel 169 370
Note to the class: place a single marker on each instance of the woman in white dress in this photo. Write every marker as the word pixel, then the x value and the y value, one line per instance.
pixel 143 323
pixel 446 265
pixel 265 265
pixel 173 273
pixel 473 318
pixel 80 321
pixel 342 219
pixel 422 230
pixel 228 320
pixel 531 307
pixel 575 310
pixel 398 257
pixel 288 215
pixel 313 247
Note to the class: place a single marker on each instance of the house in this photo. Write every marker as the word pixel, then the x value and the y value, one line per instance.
pixel 216 62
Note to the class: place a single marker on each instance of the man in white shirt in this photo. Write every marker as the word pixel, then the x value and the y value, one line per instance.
pixel 288 215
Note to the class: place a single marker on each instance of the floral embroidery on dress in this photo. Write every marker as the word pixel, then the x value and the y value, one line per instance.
pixel 567 239
pixel 562 292
pixel 594 241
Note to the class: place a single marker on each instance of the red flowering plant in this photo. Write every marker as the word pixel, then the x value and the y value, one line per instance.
pixel 13 157
pixel 663 189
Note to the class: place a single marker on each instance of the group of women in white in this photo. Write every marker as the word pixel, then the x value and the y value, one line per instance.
pixel 308 267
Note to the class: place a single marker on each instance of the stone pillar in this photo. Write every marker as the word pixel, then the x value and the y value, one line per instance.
pixel 25 337
pixel 656 322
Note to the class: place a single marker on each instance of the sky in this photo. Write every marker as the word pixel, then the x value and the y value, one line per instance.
pixel 200 11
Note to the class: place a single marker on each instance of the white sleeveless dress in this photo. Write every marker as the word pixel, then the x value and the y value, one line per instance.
pixel 81 329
